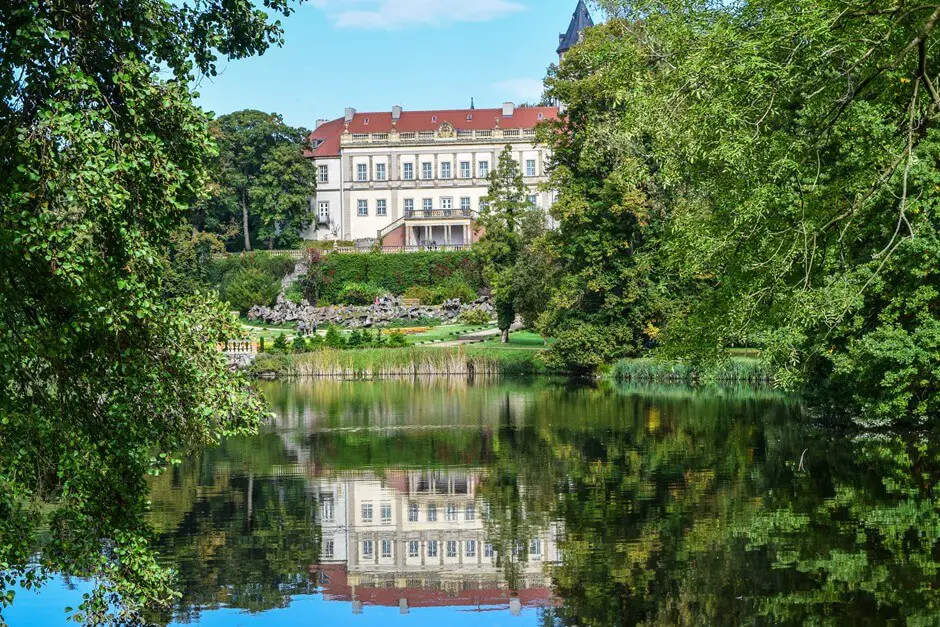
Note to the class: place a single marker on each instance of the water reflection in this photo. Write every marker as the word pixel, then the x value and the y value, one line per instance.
pixel 565 505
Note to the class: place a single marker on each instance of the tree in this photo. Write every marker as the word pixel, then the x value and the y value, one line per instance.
pixel 263 178
pixel 498 248
pixel 533 274
pixel 609 294
pixel 103 376
pixel 801 176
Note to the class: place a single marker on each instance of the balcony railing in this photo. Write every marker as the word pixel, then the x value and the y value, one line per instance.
pixel 359 139
pixel 462 214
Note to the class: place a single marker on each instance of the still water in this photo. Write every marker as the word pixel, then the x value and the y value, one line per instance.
pixel 541 503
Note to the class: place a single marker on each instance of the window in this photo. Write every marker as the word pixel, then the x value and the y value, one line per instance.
pixel 533 200
pixel 323 211
pixel 328 549
pixel 535 549
pixel 451 548
pixel 363 209
pixel 464 169
pixel 381 207
pixel 432 548
pixel 451 512
pixel 470 547
pixel 445 169
pixel 408 171
pixel 427 170
pixel 409 206
pixel 362 172
pixel 484 167
pixel 380 172
pixel 432 512
pixel 487 550
pixel 413 548
pixel 367 512
pixel 386 513
pixel 447 203
pixel 386 548
pixel 530 167
pixel 470 513
pixel 367 549
pixel 413 512
pixel 465 203
pixel 484 204
pixel 323 174
pixel 427 204
pixel 326 507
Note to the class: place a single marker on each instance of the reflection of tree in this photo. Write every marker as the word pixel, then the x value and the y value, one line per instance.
pixel 693 510
pixel 235 533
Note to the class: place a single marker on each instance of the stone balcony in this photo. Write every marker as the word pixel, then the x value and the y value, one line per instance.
pixel 444 136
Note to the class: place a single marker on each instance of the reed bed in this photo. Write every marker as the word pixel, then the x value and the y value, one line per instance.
pixel 397 362
pixel 734 370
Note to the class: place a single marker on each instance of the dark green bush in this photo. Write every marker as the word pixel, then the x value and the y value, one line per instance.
pixel 333 338
pixel 280 344
pixel 299 345
pixel 249 287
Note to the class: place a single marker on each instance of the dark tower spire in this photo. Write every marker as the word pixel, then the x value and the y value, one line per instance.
pixel 580 20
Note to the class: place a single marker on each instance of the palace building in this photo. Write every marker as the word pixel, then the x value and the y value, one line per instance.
pixel 418 178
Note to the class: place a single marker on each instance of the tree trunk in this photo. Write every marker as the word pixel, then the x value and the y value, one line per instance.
pixel 505 336
pixel 245 223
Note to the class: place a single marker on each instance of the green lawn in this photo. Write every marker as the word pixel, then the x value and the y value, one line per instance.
pixel 444 333
pixel 519 339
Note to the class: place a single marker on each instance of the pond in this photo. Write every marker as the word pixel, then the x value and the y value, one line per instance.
pixel 542 502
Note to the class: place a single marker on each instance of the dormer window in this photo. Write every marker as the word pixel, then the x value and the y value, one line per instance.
pixel 366 121
pixel 433 119
pixel 541 116
pixel 469 117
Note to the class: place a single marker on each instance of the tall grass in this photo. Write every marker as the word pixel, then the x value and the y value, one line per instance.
pixel 388 362
pixel 734 370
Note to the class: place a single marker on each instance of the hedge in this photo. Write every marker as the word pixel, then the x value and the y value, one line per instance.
pixel 397 272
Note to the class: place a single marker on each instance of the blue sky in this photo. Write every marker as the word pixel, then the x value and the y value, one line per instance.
pixel 372 54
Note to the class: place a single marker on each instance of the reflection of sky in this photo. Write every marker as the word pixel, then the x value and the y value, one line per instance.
pixel 32 609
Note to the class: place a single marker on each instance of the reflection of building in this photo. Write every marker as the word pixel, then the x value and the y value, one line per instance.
pixel 418 539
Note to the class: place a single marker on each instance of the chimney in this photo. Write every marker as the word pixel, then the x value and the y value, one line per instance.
pixel 319 124
pixel 396 113
pixel 508 109
pixel 350 114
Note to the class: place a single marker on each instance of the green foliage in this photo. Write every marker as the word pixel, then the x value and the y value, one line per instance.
pixel 299 345
pixel 248 287
pixel 393 273
pixel 317 281
pixel 506 202
pixel 476 317
pixel 189 263
pixel 353 293
pixel 453 287
pixel 294 294
pixel 262 179
pixel 106 370
pixel 397 339
pixel 280 343
pixel 333 338
pixel 250 279
pixel 582 349
pixel 799 188
pixel 354 340
pixel 734 370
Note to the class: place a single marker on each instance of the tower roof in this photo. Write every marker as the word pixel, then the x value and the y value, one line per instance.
pixel 580 20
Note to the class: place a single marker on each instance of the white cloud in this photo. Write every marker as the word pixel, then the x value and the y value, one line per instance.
pixel 398 14
pixel 522 89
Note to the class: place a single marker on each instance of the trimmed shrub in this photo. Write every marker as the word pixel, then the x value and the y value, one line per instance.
pixel 280 344
pixel 299 345
pixel 395 273
pixel 397 339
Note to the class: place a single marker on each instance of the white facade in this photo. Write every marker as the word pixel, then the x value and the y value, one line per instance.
pixel 375 181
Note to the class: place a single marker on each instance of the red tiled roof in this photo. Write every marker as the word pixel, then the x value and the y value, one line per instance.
pixel 416 121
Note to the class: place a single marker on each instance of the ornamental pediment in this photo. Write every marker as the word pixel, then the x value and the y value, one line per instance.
pixel 446 130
